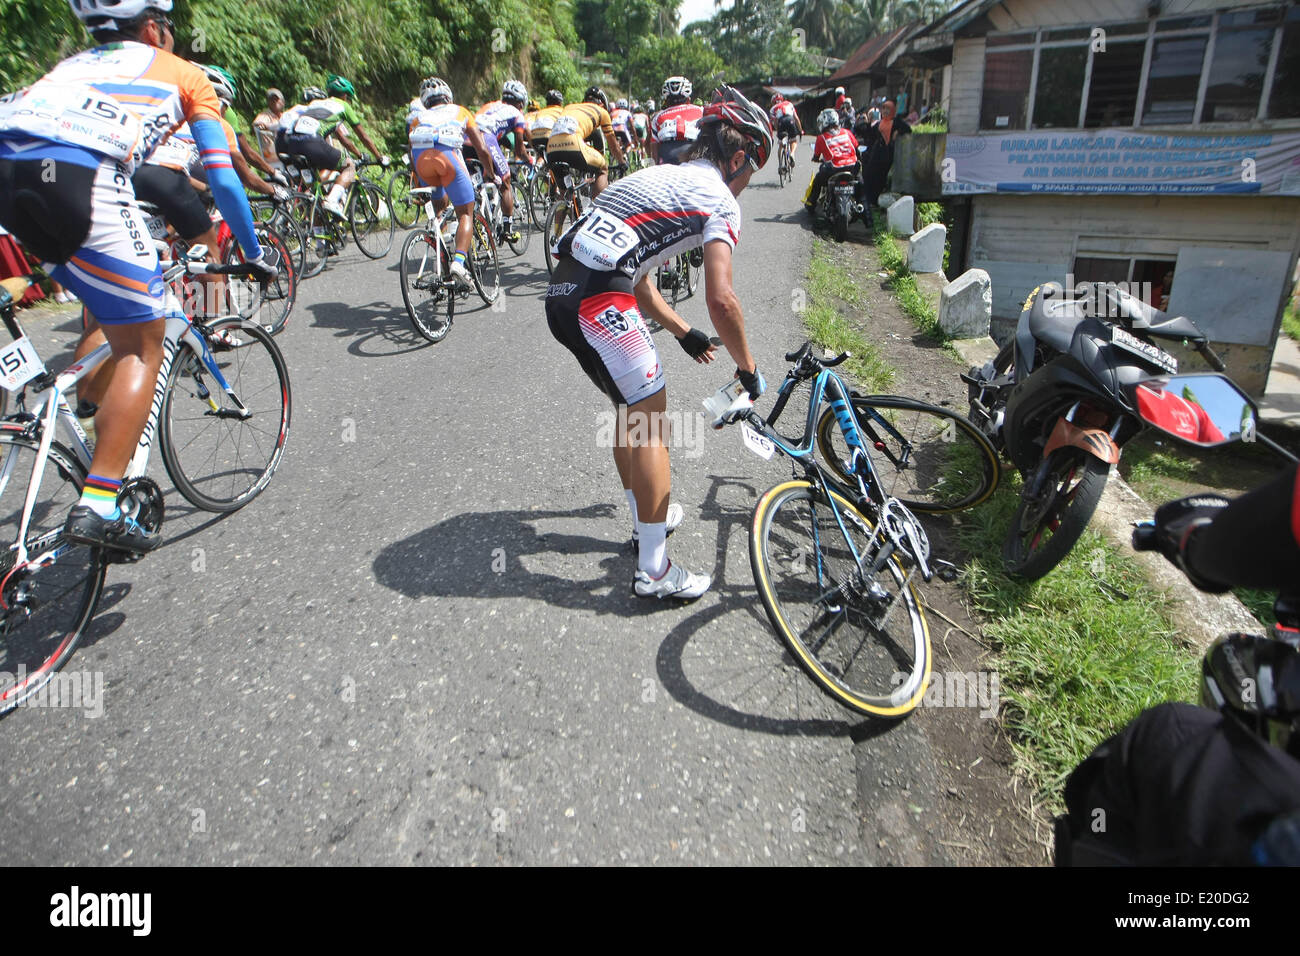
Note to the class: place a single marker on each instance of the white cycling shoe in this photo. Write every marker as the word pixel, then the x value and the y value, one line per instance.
pixel 461 274
pixel 676 583
pixel 675 516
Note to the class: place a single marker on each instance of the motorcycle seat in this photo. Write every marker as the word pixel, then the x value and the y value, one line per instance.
pixel 1052 320
pixel 1149 319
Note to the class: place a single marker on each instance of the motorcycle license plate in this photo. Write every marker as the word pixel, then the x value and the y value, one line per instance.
pixel 1131 343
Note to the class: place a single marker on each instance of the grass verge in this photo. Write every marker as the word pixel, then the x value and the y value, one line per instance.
pixel 903 284
pixel 1080 652
pixel 1291 320
pixel 831 287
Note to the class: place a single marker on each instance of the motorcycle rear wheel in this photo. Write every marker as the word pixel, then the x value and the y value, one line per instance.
pixel 1043 532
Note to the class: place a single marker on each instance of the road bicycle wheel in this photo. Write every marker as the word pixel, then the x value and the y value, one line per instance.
pixel 860 635
pixel 521 225
pixel 43 610
pixel 1045 529
pixel 539 198
pixel 927 456
pixel 218 457
pixel 558 218
pixel 269 308
pixel 313 221
pixel 430 301
pixel 278 216
pixel 690 273
pixel 371 220
pixel 405 207
pixel 484 265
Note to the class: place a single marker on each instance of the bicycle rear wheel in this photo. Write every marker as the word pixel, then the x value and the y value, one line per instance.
pixel 430 301
pixel 861 637
pixel 273 214
pixel 928 457
pixel 521 225
pixel 371 219
pixel 44 610
pixel 484 265
pixel 218 457
pixel 269 308
pixel 406 208
pixel 313 221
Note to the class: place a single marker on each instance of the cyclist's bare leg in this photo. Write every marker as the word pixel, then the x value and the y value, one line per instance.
pixel 507 198
pixel 641 456
pixel 599 183
pixel 464 226
pixel 123 387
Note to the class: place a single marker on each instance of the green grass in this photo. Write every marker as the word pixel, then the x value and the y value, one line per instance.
pixel 1075 660
pixel 831 287
pixel 903 284
pixel 1291 321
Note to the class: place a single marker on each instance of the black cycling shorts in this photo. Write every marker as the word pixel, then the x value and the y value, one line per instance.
pixel 176 198
pixel 320 154
pixel 595 316
pixel 49 210
pixel 787 127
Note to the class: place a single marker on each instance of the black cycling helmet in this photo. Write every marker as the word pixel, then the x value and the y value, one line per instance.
pixel 1256 681
pixel 595 94
pixel 554 98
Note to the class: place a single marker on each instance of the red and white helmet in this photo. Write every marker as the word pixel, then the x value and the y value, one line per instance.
pixel 96 13
pixel 731 107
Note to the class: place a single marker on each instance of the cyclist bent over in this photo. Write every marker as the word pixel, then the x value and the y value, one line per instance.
pixel 303 130
pixel 602 287
pixel 438 131
pixel 494 121
pixel 90 122
pixel 786 122
pixel 576 127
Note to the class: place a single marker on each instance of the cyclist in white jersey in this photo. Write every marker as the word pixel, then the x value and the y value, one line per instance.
pixel 602 286
pixel 494 121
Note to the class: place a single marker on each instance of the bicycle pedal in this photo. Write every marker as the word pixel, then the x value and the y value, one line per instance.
pixel 946 570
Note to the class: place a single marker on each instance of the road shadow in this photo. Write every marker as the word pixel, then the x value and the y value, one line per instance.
pixel 370 326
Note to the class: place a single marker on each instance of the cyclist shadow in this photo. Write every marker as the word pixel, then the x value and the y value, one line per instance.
pixel 106 620
pixel 368 326
pixel 502 554
pixel 727 664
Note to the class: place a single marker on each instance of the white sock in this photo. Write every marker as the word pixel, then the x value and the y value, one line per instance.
pixel 652 557
pixel 631 503
pixel 336 194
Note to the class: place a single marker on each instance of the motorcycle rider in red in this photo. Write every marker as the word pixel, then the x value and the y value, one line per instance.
pixel 836 147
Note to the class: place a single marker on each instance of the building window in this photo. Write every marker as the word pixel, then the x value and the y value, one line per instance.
pixel 1006 89
pixel 1175 75
pixel 1284 100
pixel 1112 94
pixel 1237 75
pixel 1060 86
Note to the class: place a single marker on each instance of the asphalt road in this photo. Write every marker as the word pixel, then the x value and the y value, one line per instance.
pixel 419 644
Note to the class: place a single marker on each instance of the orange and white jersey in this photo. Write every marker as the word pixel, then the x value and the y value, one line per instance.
pixel 119 100
pixel 441 125
pixel 179 151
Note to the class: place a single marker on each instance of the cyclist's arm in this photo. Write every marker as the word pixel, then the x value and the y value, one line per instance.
pixel 251 180
pixel 252 156
pixel 653 306
pixel 222 180
pixel 521 134
pixel 354 118
pixel 724 304
pixel 607 128
pixel 350 146
pixel 1254 541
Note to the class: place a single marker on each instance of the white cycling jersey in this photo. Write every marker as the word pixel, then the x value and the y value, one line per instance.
pixel 652 215
pixel 497 117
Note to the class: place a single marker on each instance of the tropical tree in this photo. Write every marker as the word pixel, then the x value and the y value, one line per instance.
pixel 817 18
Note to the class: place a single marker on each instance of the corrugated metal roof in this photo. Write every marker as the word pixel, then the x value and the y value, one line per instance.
pixel 865 56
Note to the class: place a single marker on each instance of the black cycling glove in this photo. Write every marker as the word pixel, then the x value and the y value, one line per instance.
pixel 1177 522
pixel 753 382
pixel 695 342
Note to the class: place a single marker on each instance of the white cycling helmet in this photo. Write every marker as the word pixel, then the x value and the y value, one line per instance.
pixel 827 119
pixel 649 106
pixel 676 86
pixel 222 82
pixel 434 90
pixel 514 91
pixel 98 13
pixel 621 104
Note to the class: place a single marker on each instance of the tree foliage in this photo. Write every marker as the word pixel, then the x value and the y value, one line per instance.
pixel 655 58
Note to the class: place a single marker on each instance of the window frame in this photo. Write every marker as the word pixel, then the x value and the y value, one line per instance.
pixel 1036 43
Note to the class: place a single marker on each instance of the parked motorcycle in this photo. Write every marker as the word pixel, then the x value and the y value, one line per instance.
pixel 1080 378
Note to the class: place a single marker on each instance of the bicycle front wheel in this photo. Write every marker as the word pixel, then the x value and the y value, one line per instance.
pixel 371 219
pixel 859 634
pixel 485 267
pixel 43 610
pixel 928 457
pixel 221 456
pixel 269 307
pixel 430 300
pixel 405 207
